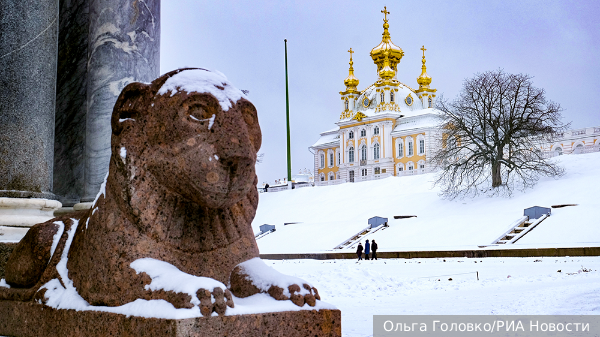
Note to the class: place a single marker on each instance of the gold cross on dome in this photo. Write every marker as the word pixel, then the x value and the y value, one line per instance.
pixel 423 49
pixel 385 13
pixel 351 52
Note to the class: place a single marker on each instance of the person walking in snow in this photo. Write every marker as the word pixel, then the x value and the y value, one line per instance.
pixel 374 249
pixel 367 250
pixel 359 251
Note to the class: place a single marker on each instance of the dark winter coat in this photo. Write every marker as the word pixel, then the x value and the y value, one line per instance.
pixel 374 247
pixel 367 248
pixel 359 249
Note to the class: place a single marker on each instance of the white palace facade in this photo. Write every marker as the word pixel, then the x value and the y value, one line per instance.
pixel 384 130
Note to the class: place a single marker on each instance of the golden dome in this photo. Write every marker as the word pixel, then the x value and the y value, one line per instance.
pixel 424 80
pixel 351 81
pixel 386 49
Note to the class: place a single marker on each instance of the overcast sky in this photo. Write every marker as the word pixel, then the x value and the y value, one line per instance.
pixel 557 42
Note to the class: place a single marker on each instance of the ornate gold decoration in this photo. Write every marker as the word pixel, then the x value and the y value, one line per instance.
pixel 351 81
pixel 387 107
pixel 366 102
pixel 408 99
pixel 386 55
pixel 359 116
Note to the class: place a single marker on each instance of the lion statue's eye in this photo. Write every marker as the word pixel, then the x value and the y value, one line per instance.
pixel 200 113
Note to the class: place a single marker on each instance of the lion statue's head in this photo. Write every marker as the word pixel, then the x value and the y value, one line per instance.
pixel 193 131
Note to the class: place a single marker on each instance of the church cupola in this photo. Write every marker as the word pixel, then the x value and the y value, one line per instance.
pixel 351 81
pixel 351 94
pixel 426 94
pixel 386 55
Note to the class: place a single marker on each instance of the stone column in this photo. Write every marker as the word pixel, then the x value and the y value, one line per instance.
pixel 71 107
pixel 28 51
pixel 123 47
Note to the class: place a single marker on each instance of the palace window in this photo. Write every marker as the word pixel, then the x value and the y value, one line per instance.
pixel 351 135
pixel 363 152
pixel 400 169
pixel 339 159
pixel 410 167
pixel 376 151
pixel 351 176
pixel 363 172
pixel 346 104
pixel 400 150
pixel 558 151
pixel 421 166
pixel 430 101
pixel 322 160
pixel 376 130
pixel 382 98
pixel 351 155
pixel 421 146
pixel 363 133
pixel 391 96
pixel 322 177
pixel 331 176
pixel 410 149
pixel 377 170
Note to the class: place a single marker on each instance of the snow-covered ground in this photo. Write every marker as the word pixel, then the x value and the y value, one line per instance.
pixel 422 287
pixel 328 215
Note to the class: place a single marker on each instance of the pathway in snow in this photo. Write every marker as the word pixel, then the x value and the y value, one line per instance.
pixel 411 286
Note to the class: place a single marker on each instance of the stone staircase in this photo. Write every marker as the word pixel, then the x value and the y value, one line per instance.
pixel 354 239
pixel 519 229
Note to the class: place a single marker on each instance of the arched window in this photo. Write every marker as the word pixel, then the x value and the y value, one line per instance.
pixel 421 146
pixel 331 176
pixel 363 152
pixel 322 160
pixel 331 161
pixel 376 151
pixel 400 167
pixel 382 97
pixel 363 133
pixel 376 130
pixel 578 148
pixel 558 151
pixel 322 177
pixel 400 149
pixel 391 96
pixel 410 148
pixel 430 101
pixel 410 166
pixel 351 135
pixel 351 155
pixel 346 104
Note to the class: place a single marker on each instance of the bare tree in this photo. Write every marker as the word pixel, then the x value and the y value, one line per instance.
pixel 492 135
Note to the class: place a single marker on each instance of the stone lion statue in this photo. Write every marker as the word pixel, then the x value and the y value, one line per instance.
pixel 181 191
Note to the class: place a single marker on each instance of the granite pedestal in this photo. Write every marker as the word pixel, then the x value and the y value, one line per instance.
pixel 30 319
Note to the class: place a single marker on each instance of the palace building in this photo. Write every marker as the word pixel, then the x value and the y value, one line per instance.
pixel 385 129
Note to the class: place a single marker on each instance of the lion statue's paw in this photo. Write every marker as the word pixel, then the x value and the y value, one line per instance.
pixel 216 300
pixel 254 276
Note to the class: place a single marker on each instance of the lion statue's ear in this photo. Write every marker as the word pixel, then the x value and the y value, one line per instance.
pixel 129 105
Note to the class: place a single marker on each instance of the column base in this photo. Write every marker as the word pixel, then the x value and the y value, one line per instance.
pixel 82 206
pixel 18 212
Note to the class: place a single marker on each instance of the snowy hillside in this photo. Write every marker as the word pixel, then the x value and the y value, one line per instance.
pixel 326 216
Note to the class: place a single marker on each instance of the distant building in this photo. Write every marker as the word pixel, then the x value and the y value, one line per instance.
pixel 574 142
pixel 384 130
